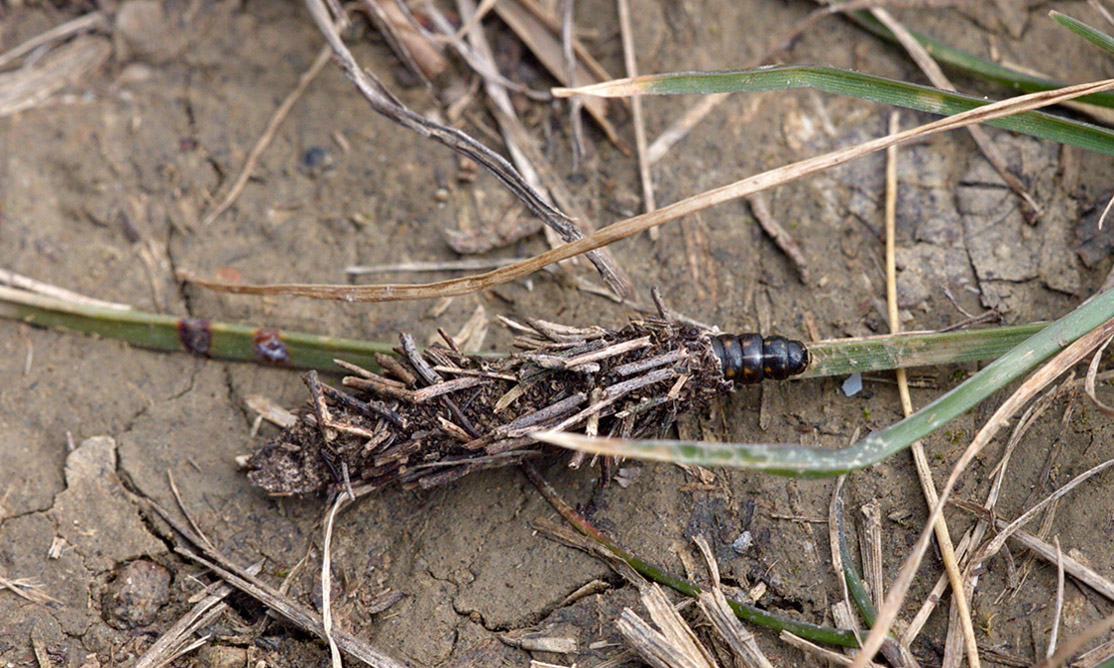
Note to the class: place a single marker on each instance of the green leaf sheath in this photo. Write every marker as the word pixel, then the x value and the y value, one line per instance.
pixel 796 460
pixel 877 89
pixel 1096 37
pixel 167 333
pixel 839 357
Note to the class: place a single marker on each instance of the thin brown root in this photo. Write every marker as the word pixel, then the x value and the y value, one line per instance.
pixel 182 507
pixel 268 134
pixel 781 238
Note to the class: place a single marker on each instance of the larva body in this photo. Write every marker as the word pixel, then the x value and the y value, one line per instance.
pixel 750 358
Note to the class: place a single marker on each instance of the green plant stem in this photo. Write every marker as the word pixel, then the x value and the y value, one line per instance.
pixel 795 460
pixel 162 332
pixel 743 611
pixel 859 85
pixel 973 65
pixel 839 357
pixel 310 351
pixel 855 586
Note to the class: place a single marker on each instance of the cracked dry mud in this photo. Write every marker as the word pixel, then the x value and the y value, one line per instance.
pixel 156 135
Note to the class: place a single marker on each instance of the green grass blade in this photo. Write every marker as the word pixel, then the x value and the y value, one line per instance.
pixel 856 588
pixel 794 460
pixel 862 86
pixel 162 332
pixel 839 357
pixel 309 351
pixel 744 611
pixel 1096 37
pixel 975 66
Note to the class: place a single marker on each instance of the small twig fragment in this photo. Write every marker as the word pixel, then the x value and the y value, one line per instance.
pixel 418 55
pixel 268 134
pixel 1089 381
pixel 780 237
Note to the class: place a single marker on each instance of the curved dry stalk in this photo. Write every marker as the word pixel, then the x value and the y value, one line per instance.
pixel 631 226
pixel 1054 635
pixel 327 579
pixel 924 474
pixel 1045 375
pixel 1089 381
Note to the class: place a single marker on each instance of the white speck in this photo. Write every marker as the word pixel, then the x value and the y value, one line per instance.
pixel 742 542
pixel 853 385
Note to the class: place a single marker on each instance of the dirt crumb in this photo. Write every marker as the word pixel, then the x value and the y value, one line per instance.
pixel 135 594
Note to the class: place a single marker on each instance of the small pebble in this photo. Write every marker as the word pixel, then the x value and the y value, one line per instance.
pixel 135 594
pixel 315 157
pixel 742 543
pixel 223 656
pixel 145 30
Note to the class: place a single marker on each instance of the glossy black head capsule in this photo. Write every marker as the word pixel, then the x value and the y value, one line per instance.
pixel 749 358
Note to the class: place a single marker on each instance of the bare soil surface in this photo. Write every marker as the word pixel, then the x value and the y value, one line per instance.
pixel 102 190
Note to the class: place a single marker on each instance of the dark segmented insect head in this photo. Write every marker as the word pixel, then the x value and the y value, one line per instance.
pixel 749 358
